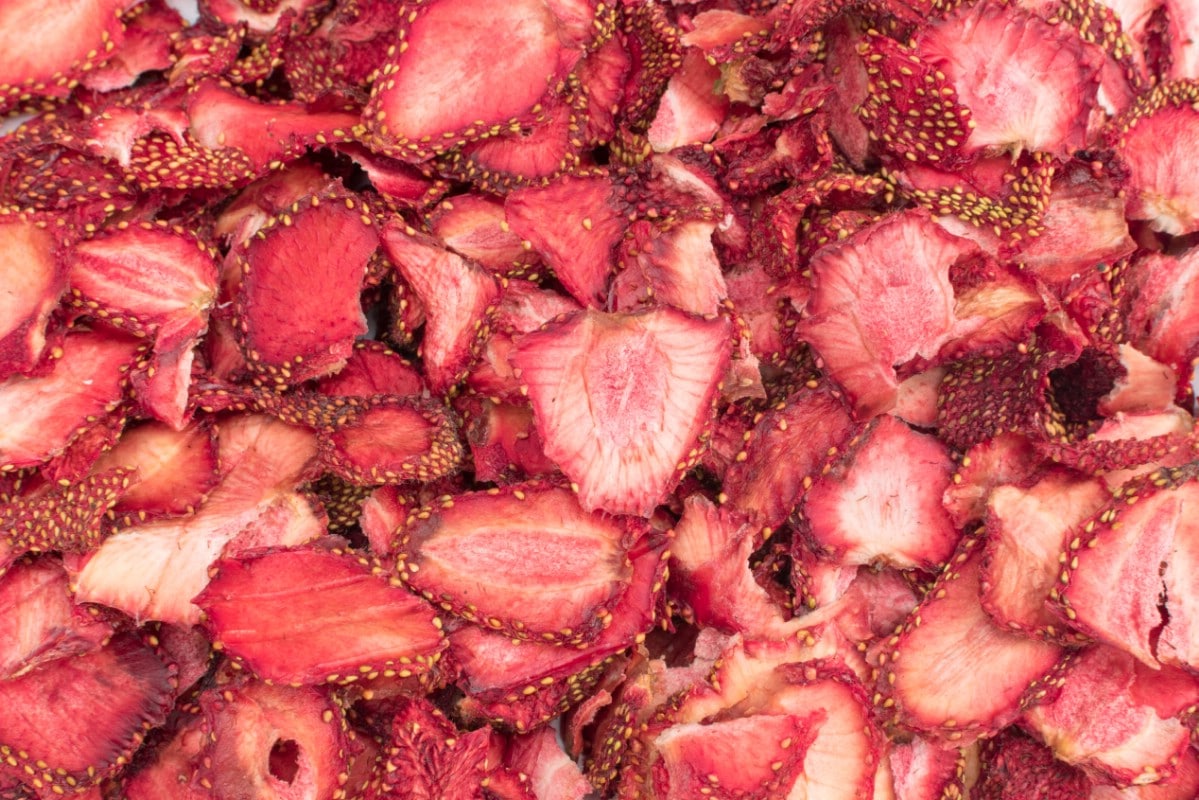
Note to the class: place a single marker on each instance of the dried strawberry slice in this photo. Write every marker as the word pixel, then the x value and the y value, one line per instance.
pixel 38 621
pixel 64 518
pixel 393 440
pixel 522 536
pixel 374 368
pixel 622 400
pixel 146 47
pixel 174 470
pixel 77 741
pixel 475 227
pixel 880 500
pixel 552 774
pixel 1014 763
pixel 503 442
pixel 671 264
pixel 1158 299
pixel 952 671
pixel 170 770
pixel 35 278
pixel 289 333
pixel 655 50
pixel 281 613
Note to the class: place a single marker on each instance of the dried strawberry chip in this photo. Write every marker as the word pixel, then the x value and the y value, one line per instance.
pixel 1013 762
pixel 174 470
pixel 393 440
pixel 35 278
pixel 475 227
pixel 551 772
pixel 39 622
pixel 170 771
pixel 673 265
pixel 1159 306
pixel 622 401
pixel 66 518
pixel 504 443
pixel 373 368
pixel 145 47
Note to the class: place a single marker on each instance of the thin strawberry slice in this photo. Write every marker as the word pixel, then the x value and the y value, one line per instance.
pixel 443 44
pixel 34 278
pixel 690 111
pixel 601 78
pixel 394 440
pixel 882 298
pixel 504 444
pixel 145 47
pixel 1026 531
pixel 38 621
pixel 1183 785
pixel 522 537
pixel 272 742
pixel 1155 140
pixel 783 452
pixel 1128 446
pixel 1014 765
pixel 575 224
pixel 170 771
pixel 671 264
pixel 622 400
pixel 384 514
pixel 952 671
pixel 255 205
pixel 45 413
pixel 374 368
pixel 655 50
pixel 64 518
pixel 77 741
pixel 457 296
pixel 474 226
pixel 881 499
pixel 174 470
pixel 1146 386
pixel 288 332
pixel 1159 301
pixel 281 613
pixel 1029 85
pixel 1124 739
pixel 927 770
pixel 553 775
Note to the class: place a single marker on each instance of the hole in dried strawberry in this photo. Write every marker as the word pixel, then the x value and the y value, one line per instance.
pixel 1078 387
pixel 284 760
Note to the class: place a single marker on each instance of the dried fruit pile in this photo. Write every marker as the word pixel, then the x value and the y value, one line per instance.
pixel 545 399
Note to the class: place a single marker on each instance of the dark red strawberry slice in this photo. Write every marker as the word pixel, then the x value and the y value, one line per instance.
pixel 574 224
pixel 1014 765
pixel 457 296
pixel 671 264
pixel 440 47
pixel 281 613
pixel 522 537
pixel 882 298
pixel 394 440
pixel 35 278
pixel 1125 739
pixel 289 333
pixel 256 204
pixel 174 470
pixel 880 500
pixel 475 227
pixel 39 622
pixel 622 400
pixel 84 380
pixel 952 671
pixel 76 740
pixel 1026 532
pixel 504 443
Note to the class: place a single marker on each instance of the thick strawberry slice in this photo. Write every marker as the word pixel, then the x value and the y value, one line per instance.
pixel 1155 140
pixel 394 440
pixel 174 470
pixel 441 46
pixel 66 517
pixel 457 296
pixel 882 298
pixel 34 278
pixel 881 499
pixel 574 224
pixel 952 671
pixel 44 413
pixel 522 537
pixel 38 621
pixel 374 368
pixel 1029 85
pixel 671 264
pixel 77 740
pixel 1026 532
pixel 475 227
pixel 1013 765
pixel 621 400
pixel 288 332
pixel 281 613
pixel 1128 738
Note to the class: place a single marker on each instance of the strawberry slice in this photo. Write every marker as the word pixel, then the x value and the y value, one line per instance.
pixel 76 741
pixel 84 380
pixel 691 110
pixel 171 770
pixel 882 298
pixel 1014 765
pixel 926 770
pixel 1162 313
pixel 504 444
pixel 622 400
pixel 146 47
pixel 391 440
pixel 281 613
pixel 881 499
pixel 671 264
pixel 951 671
pixel 475 227
pixel 553 775
pixel 522 537
pixel 373 368
pixel 67 517
pixel 457 295
pixel 174 470
pixel 35 278
pixel 38 621
pixel 288 333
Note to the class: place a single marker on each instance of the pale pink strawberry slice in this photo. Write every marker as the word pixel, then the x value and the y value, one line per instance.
pixel 951 671
pixel 1162 312
pixel 880 500
pixel 924 769
pixel 281 614
pixel 1029 85
pixel 1026 532
pixel 574 224
pixel 474 226
pixel 38 620
pixel 457 296
pixel 288 332
pixel 882 298
pixel 690 111
pixel 45 412
pixel 1015 765
pixel 521 537
pixel 173 470
pixel 1133 735
pixel 621 400
pixel 35 279
pixel 552 774
pixel 393 440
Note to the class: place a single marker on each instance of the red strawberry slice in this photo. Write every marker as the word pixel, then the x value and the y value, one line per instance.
pixel 441 45
pixel 457 296
pixel 145 47
pixel 374 368
pixel 670 264
pixel 281 613
pixel 655 49
pixel 881 499
pixel 475 227
pixel 621 400
pixel 1014 765
pixel 392 440
pixel 174 470
pixel 553 775
pixel 927 770
pixel 44 413
pixel 171 770
pixel 67 517
pixel 522 537
pixel 1026 531
pixel 691 110
pixel 1159 300
pixel 289 333
pixel 881 298
pixel 35 278
pixel 601 78
pixel 76 740
pixel 38 621
pixel 504 443
pixel 952 671
pixel 574 224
